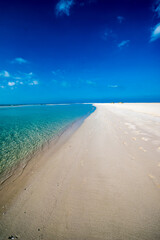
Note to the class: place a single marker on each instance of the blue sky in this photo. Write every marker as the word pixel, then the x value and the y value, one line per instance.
pixel 79 51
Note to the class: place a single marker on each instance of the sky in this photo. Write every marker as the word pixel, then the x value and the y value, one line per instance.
pixel 55 51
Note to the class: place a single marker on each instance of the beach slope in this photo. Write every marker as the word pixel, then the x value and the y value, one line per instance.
pixel 103 183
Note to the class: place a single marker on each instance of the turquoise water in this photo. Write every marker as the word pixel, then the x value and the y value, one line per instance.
pixel 23 130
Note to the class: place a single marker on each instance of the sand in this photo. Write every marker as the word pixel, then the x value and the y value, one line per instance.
pixel 102 183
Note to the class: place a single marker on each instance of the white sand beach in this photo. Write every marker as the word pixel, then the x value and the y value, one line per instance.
pixel 102 183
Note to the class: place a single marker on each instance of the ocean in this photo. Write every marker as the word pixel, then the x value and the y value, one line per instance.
pixel 25 129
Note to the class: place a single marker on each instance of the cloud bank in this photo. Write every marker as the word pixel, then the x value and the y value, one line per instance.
pixel 18 78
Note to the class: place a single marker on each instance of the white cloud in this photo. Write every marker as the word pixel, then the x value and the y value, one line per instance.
pixel 28 76
pixel 63 7
pixel 4 74
pixel 22 78
pixel 120 19
pixel 2 86
pixel 17 79
pixel 35 82
pixel 11 84
pixel 123 43
pixel 19 60
pixel 155 33
pixel 113 86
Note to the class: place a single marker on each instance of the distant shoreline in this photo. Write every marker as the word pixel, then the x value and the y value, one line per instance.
pixel 27 105
pixel 69 103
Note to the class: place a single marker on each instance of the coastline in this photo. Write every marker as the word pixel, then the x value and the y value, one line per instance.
pixel 99 182
pixel 18 168
pixel 21 173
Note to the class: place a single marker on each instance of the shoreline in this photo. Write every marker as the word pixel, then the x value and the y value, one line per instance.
pixel 19 167
pixel 102 182
pixel 92 103
pixel 21 171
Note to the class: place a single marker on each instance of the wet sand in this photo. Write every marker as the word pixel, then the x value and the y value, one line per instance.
pixel 103 183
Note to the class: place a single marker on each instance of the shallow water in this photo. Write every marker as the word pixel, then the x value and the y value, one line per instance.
pixel 23 130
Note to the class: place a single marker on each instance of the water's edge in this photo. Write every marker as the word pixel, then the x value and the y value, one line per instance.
pixel 22 164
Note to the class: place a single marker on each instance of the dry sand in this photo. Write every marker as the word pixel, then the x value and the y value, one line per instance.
pixel 103 183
